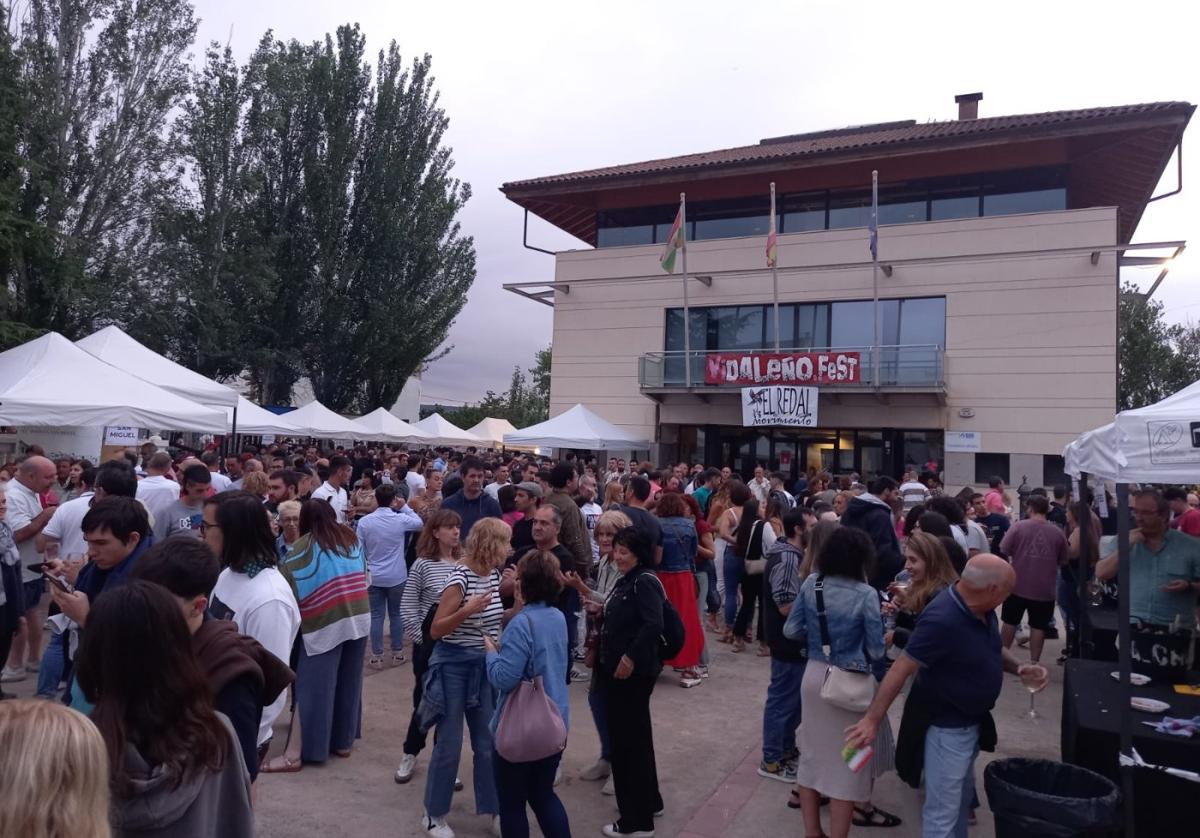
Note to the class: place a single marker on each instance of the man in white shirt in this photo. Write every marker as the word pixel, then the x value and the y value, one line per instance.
pixel 912 491
pixel 760 485
pixel 499 478
pixel 157 491
pixel 333 490
pixel 591 511
pixel 64 531
pixel 220 483
pixel 26 517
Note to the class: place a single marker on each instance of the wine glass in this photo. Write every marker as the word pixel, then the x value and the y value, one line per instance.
pixel 1031 679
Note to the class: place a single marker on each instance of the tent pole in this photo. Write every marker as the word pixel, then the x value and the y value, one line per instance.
pixel 1083 627
pixel 1125 656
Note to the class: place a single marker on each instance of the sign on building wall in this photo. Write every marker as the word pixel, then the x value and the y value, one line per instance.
pixel 790 407
pixel 732 368
pixel 964 442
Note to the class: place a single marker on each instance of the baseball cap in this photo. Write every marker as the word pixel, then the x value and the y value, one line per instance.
pixel 531 488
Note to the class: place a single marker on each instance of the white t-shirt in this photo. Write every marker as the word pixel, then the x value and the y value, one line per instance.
pixel 493 489
pixel 23 507
pixel 220 483
pixel 416 483
pixel 337 497
pixel 157 493
pixel 976 538
pixel 66 525
pixel 591 514
pixel 263 608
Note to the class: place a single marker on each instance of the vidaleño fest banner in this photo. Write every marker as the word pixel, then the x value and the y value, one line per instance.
pixel 741 368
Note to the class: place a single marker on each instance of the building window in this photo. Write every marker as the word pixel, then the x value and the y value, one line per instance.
pixel 1054 472
pixel 803 213
pixel 951 206
pixel 624 236
pixel 1044 200
pixel 988 466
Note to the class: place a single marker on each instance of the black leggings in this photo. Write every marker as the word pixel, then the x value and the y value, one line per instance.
pixel 751 588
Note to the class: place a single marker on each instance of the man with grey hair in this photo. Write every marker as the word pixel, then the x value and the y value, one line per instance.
pixel 26 518
pixel 959 663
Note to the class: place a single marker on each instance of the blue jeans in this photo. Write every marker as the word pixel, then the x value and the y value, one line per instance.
pixel 50 672
pixel 329 698
pixel 447 745
pixel 781 712
pixel 949 780
pixel 599 706
pixel 380 599
pixel 519 783
pixel 732 573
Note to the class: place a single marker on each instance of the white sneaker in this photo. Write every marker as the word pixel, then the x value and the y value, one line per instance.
pixel 596 771
pixel 577 676
pixel 408 765
pixel 436 827
pixel 458 784
pixel 609 788
pixel 610 829
pixel 9 675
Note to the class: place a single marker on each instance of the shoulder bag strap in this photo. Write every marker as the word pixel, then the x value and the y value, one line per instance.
pixel 754 548
pixel 818 589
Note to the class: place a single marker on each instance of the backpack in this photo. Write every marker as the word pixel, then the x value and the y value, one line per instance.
pixel 670 642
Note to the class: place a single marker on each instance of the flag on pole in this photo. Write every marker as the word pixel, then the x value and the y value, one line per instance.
pixel 674 242
pixel 772 239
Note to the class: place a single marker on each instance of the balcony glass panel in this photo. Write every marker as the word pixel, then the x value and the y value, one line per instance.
pixel 1044 200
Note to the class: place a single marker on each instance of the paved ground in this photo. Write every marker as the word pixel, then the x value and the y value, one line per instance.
pixel 707 742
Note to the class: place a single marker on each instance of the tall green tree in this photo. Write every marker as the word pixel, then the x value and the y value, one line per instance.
pixel 1155 358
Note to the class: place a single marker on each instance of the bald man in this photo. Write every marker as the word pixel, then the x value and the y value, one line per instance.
pixel 27 518
pixel 959 665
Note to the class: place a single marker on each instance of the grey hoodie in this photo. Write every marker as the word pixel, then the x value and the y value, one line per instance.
pixel 206 804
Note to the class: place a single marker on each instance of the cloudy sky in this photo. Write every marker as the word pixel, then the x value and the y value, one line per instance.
pixel 538 88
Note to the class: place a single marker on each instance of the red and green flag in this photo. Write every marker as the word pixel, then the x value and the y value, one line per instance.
pixel 674 242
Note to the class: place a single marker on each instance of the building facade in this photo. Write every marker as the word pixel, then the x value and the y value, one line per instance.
pixel 999 251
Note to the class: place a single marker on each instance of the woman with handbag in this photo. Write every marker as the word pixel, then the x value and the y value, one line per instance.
pixel 529 669
pixel 754 536
pixel 676 572
pixel 838 612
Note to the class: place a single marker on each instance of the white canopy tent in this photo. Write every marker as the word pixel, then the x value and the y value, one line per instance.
pixel 316 420
pixel 577 428
pixel 442 431
pixel 252 419
pixel 493 431
pixel 113 346
pixel 51 382
pixel 384 426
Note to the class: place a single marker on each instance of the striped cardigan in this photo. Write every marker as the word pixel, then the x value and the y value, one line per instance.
pixel 331 589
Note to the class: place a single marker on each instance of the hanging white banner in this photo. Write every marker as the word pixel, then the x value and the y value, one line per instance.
pixel 775 405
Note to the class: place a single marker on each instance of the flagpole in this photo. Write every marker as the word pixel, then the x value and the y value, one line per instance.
pixel 875 350
pixel 775 268
pixel 687 319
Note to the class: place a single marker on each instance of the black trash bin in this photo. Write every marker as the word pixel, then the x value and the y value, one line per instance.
pixel 1037 798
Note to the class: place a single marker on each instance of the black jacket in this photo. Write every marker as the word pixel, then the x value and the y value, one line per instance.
pixel 782 649
pixel 633 623
pixel 874 517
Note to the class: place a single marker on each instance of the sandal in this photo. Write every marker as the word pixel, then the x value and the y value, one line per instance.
pixel 874 817
pixel 763 652
pixel 739 644
pixel 726 636
pixel 343 754
pixel 288 766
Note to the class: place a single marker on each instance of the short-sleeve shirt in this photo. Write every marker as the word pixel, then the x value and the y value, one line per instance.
pixel 1178 558
pixel 23 506
pixel 336 497
pixel 470 633
pixel 961 666
pixel 1036 549
pixel 646 522
pixel 66 525
pixel 1188 523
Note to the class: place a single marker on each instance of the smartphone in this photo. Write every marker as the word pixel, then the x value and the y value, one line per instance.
pixel 60 582
pixel 36 567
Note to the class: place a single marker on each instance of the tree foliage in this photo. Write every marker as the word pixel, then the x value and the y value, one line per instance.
pixel 1156 359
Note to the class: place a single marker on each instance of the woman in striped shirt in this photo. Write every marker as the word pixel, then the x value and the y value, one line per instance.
pixel 456 685
pixel 438 552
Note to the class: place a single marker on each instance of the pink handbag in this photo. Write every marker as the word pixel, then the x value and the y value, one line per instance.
pixel 530 728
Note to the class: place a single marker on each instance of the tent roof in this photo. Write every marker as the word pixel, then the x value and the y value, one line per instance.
pixel 444 432
pixel 492 430
pixel 1159 443
pixel 380 424
pixel 112 345
pixel 52 382
pixel 252 419
pixel 576 428
pixel 315 419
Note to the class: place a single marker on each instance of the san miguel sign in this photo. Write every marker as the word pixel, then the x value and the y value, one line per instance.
pixel 742 368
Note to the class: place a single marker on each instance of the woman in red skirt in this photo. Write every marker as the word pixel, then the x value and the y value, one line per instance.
pixel 677 574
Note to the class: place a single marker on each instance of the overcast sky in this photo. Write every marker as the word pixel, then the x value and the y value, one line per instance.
pixel 539 88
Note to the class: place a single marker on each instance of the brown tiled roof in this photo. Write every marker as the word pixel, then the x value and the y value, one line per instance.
pixel 886 137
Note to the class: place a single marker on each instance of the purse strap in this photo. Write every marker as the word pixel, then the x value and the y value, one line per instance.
pixel 756 539
pixel 819 590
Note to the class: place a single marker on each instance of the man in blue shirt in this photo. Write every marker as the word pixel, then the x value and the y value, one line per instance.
pixel 384 537
pixel 956 655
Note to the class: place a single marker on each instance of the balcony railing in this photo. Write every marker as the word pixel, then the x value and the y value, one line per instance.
pixel 918 367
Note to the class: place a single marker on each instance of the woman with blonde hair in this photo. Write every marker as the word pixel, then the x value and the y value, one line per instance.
pixel 58 788
pixel 930 571
pixel 614 495
pixel 456 685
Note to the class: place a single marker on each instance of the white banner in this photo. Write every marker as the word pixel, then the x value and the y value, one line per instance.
pixel 120 435
pixel 776 405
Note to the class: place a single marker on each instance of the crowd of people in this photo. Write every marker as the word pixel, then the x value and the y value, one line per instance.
pixel 256 588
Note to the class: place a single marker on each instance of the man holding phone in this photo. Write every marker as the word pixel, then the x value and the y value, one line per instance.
pixel 26 517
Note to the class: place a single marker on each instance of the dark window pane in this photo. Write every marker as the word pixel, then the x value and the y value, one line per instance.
pixel 922 321
pixel 787 326
pixel 988 466
pixel 812 326
pixel 849 211
pixel 739 327
pixel 803 213
pixel 728 228
pixel 850 324
pixel 921 447
pixel 1042 200
pixel 944 209
pixel 675 329
pixel 905 212
pixel 624 236
pixel 663 231
pixel 1054 473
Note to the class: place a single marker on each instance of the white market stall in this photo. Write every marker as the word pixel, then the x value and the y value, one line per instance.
pixel 316 420
pixel 577 428
pixel 383 426
pixel 442 431
pixel 50 381
pixel 255 420
pixel 492 431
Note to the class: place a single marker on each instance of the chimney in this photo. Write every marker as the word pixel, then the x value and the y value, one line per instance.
pixel 968 105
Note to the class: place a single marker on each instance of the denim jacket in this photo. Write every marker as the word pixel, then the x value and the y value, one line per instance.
pixel 679 544
pixel 855 626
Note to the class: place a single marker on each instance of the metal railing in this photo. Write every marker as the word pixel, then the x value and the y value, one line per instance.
pixel 912 366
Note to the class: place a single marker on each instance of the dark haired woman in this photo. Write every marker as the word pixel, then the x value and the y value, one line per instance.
pixel 752 538
pixel 175 766
pixel 328 576
pixel 250 590
pixel 731 569
pixel 533 644
pixel 627 666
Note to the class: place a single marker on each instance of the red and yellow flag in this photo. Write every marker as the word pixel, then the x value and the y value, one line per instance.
pixel 674 242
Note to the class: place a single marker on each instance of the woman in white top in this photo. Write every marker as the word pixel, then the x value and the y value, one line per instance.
pixel 456 685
